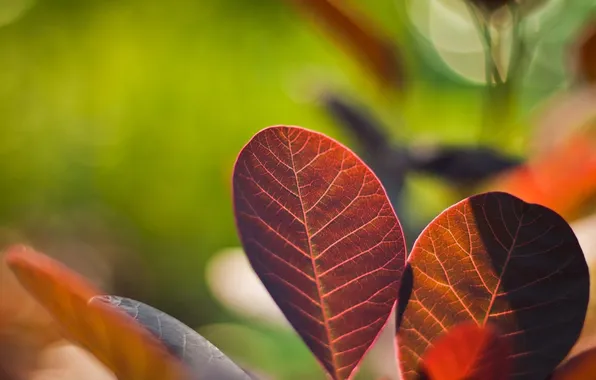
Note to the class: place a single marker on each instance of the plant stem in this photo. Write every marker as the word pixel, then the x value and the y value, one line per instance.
pixel 497 111
pixel 484 31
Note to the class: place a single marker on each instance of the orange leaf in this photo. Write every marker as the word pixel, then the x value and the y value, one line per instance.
pixel 580 367
pixel 564 180
pixel 467 351
pixel 495 259
pixel 358 35
pixel 126 348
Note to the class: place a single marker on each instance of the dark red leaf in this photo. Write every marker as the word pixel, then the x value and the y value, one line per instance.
pixel 321 234
pixel 120 343
pixel 467 351
pixel 495 258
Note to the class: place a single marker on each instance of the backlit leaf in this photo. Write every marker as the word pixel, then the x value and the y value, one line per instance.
pixel 321 234
pixel 467 351
pixel 493 258
pixel 391 163
pixel 580 367
pixel 205 360
pixel 120 343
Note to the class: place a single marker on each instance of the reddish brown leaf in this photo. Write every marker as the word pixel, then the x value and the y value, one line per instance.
pixel 467 351
pixel 493 258
pixel 321 234
pixel 580 367
pixel 359 36
pixel 129 350
pixel 563 180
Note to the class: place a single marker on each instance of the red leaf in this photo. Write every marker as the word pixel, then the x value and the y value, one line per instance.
pixel 495 258
pixel 580 367
pixel 321 234
pixel 130 351
pixel 467 351
pixel 360 36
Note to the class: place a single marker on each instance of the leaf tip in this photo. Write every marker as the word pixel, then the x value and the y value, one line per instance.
pixel 19 256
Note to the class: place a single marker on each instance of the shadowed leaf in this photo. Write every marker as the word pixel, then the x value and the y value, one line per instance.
pixel 367 129
pixel 359 36
pixel 580 367
pixel 467 351
pixel 459 165
pixel 121 344
pixel 493 258
pixel 205 360
pixel 320 232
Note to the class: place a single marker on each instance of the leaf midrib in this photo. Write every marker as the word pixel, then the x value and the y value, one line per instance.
pixel 314 266
pixel 509 253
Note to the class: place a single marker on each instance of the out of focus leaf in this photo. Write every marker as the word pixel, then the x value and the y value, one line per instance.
pixel 318 229
pixel 461 166
pixel 580 367
pixel 493 258
pixel 563 180
pixel 367 129
pixel 567 115
pixel 584 230
pixel 205 360
pixel 467 351
pixel 116 339
pixel 26 329
pixel 360 36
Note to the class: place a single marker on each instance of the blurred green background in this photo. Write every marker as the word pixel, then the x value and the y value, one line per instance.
pixel 120 122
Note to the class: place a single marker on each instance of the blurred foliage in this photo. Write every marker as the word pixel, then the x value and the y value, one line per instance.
pixel 131 114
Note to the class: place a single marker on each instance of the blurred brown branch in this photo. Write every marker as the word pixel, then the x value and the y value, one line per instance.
pixel 360 37
pixel 586 55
